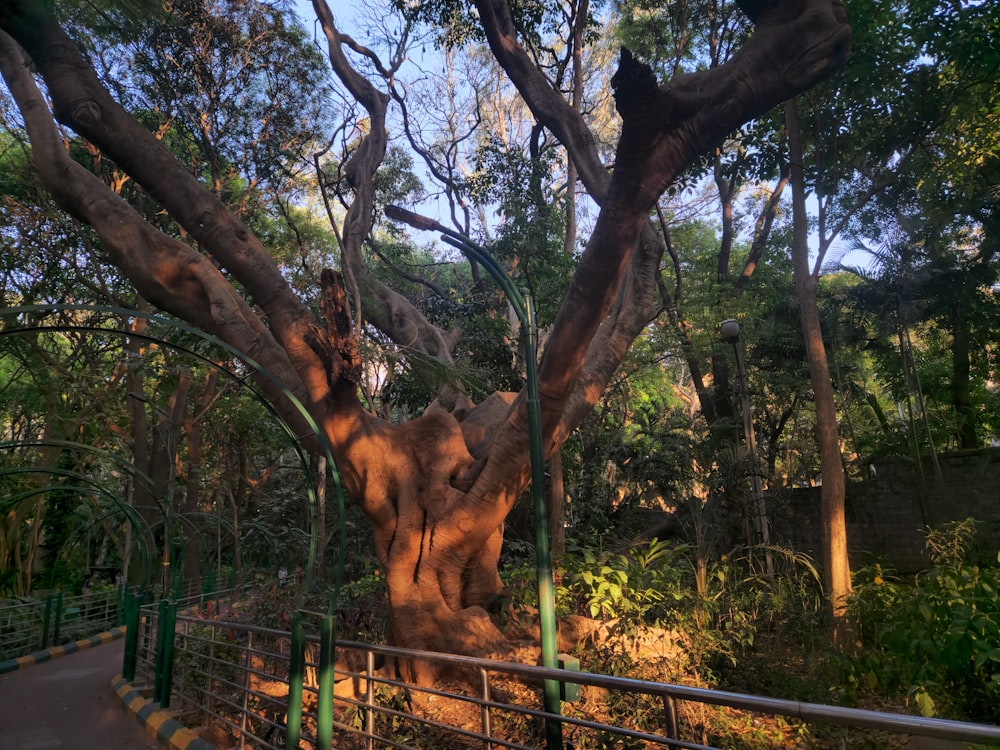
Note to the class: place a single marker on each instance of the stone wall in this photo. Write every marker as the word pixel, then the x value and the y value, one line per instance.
pixel 887 512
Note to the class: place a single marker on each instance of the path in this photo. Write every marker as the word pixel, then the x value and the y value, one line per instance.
pixel 68 703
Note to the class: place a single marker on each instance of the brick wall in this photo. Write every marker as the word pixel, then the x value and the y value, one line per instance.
pixel 887 512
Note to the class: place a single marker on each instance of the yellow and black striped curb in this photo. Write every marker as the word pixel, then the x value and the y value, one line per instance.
pixel 159 723
pixel 12 665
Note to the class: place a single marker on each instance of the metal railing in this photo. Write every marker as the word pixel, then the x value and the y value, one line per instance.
pixel 273 689
pixel 58 618
pixel 28 626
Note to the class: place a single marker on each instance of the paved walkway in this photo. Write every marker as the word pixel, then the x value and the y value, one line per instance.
pixel 69 702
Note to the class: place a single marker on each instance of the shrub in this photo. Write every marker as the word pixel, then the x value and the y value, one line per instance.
pixel 640 587
pixel 938 637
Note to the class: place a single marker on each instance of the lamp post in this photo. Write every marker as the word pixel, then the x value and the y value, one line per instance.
pixel 730 330
pixel 524 309
pixel 168 441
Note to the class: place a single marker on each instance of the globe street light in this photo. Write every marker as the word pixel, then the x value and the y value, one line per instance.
pixel 730 330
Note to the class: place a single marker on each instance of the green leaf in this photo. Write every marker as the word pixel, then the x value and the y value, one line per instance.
pixel 925 703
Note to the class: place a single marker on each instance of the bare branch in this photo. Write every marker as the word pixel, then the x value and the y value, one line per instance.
pixel 388 310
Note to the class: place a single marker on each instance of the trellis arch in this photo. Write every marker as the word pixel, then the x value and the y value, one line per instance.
pixel 171 323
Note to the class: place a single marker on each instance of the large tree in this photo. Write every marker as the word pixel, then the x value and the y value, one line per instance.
pixel 436 489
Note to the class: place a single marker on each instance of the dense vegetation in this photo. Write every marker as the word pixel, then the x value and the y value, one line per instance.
pixel 146 448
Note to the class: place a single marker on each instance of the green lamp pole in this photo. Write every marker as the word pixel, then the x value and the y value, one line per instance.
pixel 524 309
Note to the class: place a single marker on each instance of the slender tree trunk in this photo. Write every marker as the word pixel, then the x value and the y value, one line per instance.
pixel 557 506
pixel 192 494
pixel 836 568
pixel 961 395
pixel 142 496
pixel 237 556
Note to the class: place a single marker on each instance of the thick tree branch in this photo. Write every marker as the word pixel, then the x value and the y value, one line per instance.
pixel 795 45
pixel 546 104
pixel 81 102
pixel 762 230
pixel 168 273
pixel 387 310
pixel 665 129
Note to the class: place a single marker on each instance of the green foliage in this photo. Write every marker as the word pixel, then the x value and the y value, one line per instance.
pixel 665 35
pixel 392 723
pixel 455 23
pixel 242 81
pixel 653 584
pixel 709 639
pixel 364 607
pixel 638 587
pixel 529 238
pixel 936 638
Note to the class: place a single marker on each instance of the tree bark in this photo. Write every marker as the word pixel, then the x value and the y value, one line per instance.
pixel 191 505
pixel 836 567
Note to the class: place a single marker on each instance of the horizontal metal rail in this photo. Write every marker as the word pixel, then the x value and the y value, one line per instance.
pixel 28 626
pixel 808 712
pixel 235 676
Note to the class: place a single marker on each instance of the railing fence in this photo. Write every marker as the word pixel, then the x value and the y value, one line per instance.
pixel 28 626
pixel 57 618
pixel 277 690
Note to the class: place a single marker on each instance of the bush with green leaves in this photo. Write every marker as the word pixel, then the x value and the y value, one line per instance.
pixel 938 637
pixel 641 586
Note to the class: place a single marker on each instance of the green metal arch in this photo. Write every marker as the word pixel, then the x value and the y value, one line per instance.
pixel 134 518
pixel 215 341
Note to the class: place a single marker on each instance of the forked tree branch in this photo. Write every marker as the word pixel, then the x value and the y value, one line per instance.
pixel 665 128
pixel 386 309
pixel 165 271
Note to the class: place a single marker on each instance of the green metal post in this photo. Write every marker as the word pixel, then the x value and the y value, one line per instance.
pixel 525 312
pixel 161 635
pixel 133 602
pixel 324 705
pixel 296 673
pixel 58 624
pixel 177 574
pixel 207 587
pixel 121 601
pixel 168 655
pixel 543 562
pixel 46 619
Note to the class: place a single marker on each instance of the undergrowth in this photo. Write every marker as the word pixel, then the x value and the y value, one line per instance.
pixel 929 644
pixel 933 640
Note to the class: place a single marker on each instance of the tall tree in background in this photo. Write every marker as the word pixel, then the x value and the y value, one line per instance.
pixel 436 488
pixel 940 214
pixel 836 567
